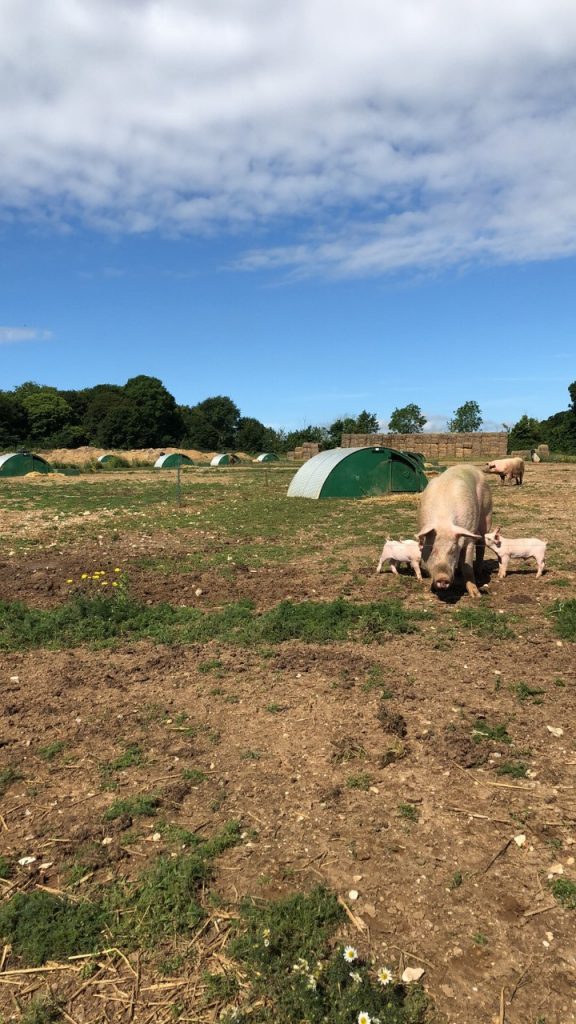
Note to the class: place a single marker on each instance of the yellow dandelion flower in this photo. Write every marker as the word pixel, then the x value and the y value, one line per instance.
pixel 84 576
pixel 117 570
pixel 114 584
pixel 103 583
pixel 69 581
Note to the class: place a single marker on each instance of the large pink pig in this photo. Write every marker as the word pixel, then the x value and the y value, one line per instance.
pixel 455 512
pixel 507 469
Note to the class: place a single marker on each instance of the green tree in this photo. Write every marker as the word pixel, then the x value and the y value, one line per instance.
pixel 13 422
pixel 212 423
pixel 364 423
pixel 251 435
pixel 159 422
pixel 407 420
pixel 47 414
pixel 527 433
pixel 467 419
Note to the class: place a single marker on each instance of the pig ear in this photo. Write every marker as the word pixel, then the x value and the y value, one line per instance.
pixel 461 532
pixel 422 533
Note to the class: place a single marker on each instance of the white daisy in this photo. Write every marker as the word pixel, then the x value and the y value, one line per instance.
pixel 350 955
pixel 384 975
pixel 363 1017
pixel 356 976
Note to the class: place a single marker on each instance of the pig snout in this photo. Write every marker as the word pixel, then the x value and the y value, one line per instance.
pixel 441 578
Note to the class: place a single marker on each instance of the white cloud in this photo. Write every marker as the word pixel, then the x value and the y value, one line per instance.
pixel 10 335
pixel 371 137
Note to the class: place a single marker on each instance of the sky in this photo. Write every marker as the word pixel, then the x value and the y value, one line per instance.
pixel 314 207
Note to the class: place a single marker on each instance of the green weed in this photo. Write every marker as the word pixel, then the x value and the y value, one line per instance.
pixel 515 769
pixel 131 758
pixel 484 731
pixel 480 939
pixel 8 776
pixel 133 807
pixel 524 692
pixel 484 622
pixel 51 751
pixel 409 812
pixel 565 892
pixel 456 880
pixel 193 775
pixel 564 615
pixel 41 1011
pixel 360 781
pixel 7 868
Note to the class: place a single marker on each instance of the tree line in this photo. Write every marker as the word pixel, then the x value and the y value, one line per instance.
pixel 143 414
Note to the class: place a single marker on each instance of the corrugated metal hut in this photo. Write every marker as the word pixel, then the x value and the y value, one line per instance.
pixel 106 458
pixel 358 473
pixel 225 459
pixel 21 463
pixel 172 461
pixel 267 457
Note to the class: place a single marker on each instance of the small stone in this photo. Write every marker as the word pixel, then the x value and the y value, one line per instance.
pixel 14 679
pixel 555 869
pixel 156 837
pixel 520 840
pixel 412 974
pixel 25 861
pixel 107 840
pixel 47 864
pixel 198 591
pixel 556 730
pixel 353 894
pixel 357 878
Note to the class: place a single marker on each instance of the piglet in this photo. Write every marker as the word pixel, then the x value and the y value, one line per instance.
pixel 396 551
pixel 523 547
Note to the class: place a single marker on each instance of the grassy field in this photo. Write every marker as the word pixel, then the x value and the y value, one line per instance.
pixel 244 778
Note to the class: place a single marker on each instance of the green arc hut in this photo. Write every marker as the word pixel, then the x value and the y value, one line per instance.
pixel 358 473
pixel 172 461
pixel 21 463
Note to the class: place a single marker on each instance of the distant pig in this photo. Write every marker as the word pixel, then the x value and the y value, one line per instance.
pixel 397 551
pixel 523 547
pixel 507 469
pixel 455 512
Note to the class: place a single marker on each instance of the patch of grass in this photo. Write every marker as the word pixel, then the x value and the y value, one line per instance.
pixel 565 892
pixel 515 769
pixel 165 901
pixel 563 614
pixel 138 806
pixel 104 620
pixel 220 987
pixel 480 939
pixel 41 926
pixel 524 692
pixel 173 833
pixel 360 781
pixel 251 755
pixel 560 581
pixel 376 681
pixel 274 708
pixel 484 621
pixel 409 812
pixel 456 880
pixel 286 950
pixel 51 751
pixel 8 776
pixel 484 731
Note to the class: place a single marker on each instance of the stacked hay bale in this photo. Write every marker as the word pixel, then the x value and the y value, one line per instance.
pixel 477 447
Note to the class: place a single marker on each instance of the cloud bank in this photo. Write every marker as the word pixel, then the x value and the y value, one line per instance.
pixel 11 335
pixel 365 138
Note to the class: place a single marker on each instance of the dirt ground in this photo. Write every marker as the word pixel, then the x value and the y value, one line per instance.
pixel 317 761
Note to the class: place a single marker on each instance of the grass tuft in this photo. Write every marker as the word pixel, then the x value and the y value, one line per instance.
pixel 138 806
pixel 565 892
pixel 484 622
pixel 40 926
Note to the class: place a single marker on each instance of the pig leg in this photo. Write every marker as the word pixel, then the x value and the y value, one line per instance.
pixel 393 566
pixel 379 567
pixel 541 567
pixel 467 560
pixel 416 566
pixel 504 559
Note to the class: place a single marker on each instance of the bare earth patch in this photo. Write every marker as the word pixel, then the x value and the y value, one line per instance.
pixel 420 772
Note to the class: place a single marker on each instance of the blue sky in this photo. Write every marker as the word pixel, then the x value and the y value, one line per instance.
pixel 309 208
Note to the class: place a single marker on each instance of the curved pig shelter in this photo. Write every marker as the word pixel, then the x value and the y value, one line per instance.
pixel 358 473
